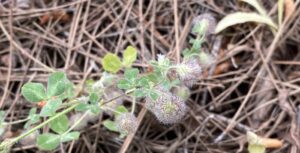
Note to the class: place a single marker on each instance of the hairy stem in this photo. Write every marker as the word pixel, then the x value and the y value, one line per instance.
pixel 44 123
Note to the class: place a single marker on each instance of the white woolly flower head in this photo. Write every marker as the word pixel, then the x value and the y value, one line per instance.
pixel 167 108
pixel 127 123
pixel 204 23
pixel 206 59
pixel 189 71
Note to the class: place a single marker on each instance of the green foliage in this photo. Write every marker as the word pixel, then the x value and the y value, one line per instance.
pixel 111 125
pixel 130 79
pixel 51 107
pixel 254 143
pixel 56 84
pixel 48 141
pixel 120 110
pixel 111 63
pixel 69 136
pixel 129 56
pixel 34 92
pixel 33 118
pixel 69 90
pixel 60 94
pixel 94 98
pixel 254 148
pixel 60 124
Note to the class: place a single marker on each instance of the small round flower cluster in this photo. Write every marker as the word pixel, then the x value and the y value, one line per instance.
pixel 168 108
pixel 189 71
pixel 127 123
pixel 207 21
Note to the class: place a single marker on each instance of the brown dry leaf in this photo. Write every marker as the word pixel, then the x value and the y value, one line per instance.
pixel 271 143
pixel 289 7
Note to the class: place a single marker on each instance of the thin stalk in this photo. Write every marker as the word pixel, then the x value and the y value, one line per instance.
pixel 44 123
pixel 76 123
pixel 17 122
pixel 133 104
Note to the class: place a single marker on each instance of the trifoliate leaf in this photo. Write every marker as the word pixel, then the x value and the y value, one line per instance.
pixel 48 141
pixel 60 124
pixel 33 92
pixel 111 63
pixel 129 56
pixel 50 108
pixel 56 84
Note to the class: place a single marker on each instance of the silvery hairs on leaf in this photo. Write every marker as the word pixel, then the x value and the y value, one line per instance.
pixel 127 123
pixel 208 19
pixel 168 108
pixel 189 71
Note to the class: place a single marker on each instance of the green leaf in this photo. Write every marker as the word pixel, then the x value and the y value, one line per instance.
pixel 69 136
pixel 153 77
pixel 254 148
pixel 56 84
pixel 143 82
pixel 60 124
pixel 51 106
pixel 240 17
pixel 69 89
pixel 33 92
pixel 112 126
pixel 255 144
pixel 256 5
pixel 94 98
pixel 129 56
pixel 120 110
pixel 33 118
pixel 111 63
pixel 153 95
pixel 197 45
pixel 131 74
pixel 139 93
pixel 95 109
pixel 48 141
pixel 124 84
pixel 82 107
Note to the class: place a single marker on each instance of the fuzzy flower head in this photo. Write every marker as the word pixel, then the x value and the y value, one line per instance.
pixel 182 92
pixel 189 71
pixel 127 123
pixel 204 24
pixel 206 59
pixel 168 108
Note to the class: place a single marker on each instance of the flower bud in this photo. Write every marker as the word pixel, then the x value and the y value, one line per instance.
pixel 205 23
pixel 189 71
pixel 127 123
